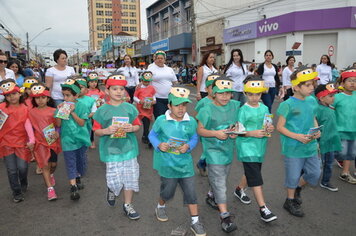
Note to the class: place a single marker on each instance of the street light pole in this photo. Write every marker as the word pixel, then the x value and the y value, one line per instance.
pixel 28 42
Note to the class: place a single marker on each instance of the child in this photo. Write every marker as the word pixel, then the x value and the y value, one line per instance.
pixel 329 142
pixel 74 136
pixel 296 118
pixel 174 137
pixel 218 147
pixel 345 110
pixel 47 146
pixel 251 148
pixel 201 165
pixel 29 80
pixel 118 146
pixel 16 138
pixel 144 97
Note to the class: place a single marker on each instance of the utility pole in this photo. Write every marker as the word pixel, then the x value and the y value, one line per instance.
pixel 28 47
pixel 78 56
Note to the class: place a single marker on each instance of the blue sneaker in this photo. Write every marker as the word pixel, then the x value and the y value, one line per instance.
pixel 130 212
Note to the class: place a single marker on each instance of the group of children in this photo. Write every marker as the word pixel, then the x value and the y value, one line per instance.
pixel 224 126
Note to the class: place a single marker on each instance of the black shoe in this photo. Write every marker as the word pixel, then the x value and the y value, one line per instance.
pixel 267 215
pixel 110 197
pixel 227 224
pixel 298 196
pixel 241 195
pixel 211 202
pixel 293 207
pixel 145 140
pixel 18 198
pixel 79 183
pixel 150 145
pixel 74 194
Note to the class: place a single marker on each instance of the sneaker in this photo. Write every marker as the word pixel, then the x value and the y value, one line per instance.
pixel 348 178
pixel 340 164
pixel 130 212
pixel 198 229
pixel 293 207
pixel 24 188
pixel 211 202
pixel 74 194
pixel 267 215
pixel 110 197
pixel 79 183
pixel 161 214
pixel 298 196
pixel 202 170
pixel 227 224
pixel 241 195
pixel 52 180
pixel 18 198
pixel 144 140
pixel 51 195
pixel 329 186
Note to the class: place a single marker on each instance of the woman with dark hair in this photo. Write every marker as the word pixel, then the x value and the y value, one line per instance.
pixel 269 73
pixel 207 67
pixel 129 70
pixel 287 71
pixel 324 70
pixel 15 66
pixel 236 69
pixel 56 75
pixel 4 72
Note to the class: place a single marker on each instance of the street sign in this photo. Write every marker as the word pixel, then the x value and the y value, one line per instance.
pixel 331 50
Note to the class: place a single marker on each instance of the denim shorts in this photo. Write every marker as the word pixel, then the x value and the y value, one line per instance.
pixel 294 167
pixel 348 150
pixel 169 185
pixel 217 175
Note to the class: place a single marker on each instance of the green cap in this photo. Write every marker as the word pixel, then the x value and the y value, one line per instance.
pixel 210 79
pixel 222 84
pixel 178 95
pixel 82 82
pixel 70 83
pixel 146 76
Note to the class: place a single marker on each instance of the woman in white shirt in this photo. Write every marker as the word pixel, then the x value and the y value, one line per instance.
pixel 324 70
pixel 207 67
pixel 4 72
pixel 236 69
pixel 287 71
pixel 56 75
pixel 163 77
pixel 131 74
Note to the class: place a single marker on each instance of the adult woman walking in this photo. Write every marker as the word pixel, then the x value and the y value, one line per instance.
pixel 4 72
pixel 15 66
pixel 163 79
pixel 287 71
pixel 324 70
pixel 269 73
pixel 236 69
pixel 207 67
pixel 129 70
pixel 56 75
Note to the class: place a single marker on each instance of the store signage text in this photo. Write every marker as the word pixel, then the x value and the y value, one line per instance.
pixel 268 27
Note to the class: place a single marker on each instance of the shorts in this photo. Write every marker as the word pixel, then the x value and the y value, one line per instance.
pixel 348 150
pixel 253 173
pixel 53 157
pixel 169 185
pixel 294 167
pixel 123 174
pixel 217 175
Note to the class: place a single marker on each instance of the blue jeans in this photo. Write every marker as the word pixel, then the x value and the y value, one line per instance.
pixel 17 169
pixel 328 160
pixel 160 107
pixel 75 162
pixel 268 98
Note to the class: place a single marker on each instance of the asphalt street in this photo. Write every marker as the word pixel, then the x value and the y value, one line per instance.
pixel 326 213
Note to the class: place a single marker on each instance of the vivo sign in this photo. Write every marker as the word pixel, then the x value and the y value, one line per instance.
pixel 268 27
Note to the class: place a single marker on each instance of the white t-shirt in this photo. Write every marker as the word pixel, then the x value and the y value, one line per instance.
pixel 324 73
pixel 9 74
pixel 163 78
pixel 268 76
pixel 131 75
pixel 206 72
pixel 286 76
pixel 237 75
pixel 59 76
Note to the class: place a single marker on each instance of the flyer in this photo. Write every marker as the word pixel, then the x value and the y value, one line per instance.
pixel 120 122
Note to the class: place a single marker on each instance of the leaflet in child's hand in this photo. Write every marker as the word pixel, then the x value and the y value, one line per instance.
pixel 50 134
pixel 120 122
pixel 98 100
pixel 313 131
pixel 64 111
pixel 147 103
pixel 3 118
pixel 236 129
pixel 267 121
pixel 174 144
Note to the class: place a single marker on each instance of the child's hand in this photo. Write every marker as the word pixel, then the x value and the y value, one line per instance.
pixel 72 107
pixel 30 146
pixel 316 135
pixel 270 129
pixel 163 147
pixel 56 135
pixel 184 148
pixel 303 138
pixel 259 133
pixel 233 135
pixel 111 129
pixel 128 128
pixel 220 134
pixel 141 102
pixel 154 102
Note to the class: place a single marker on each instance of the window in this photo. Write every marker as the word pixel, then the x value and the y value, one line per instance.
pixel 125 28
pixel 133 1
pixel 99 5
pixel 108 13
pixel 100 35
pixel 132 7
pixel 133 22
pixel 125 21
pixel 100 20
pixel 124 0
pixel 99 13
pixel 99 42
pixel 108 35
pixel 132 14
pixel 125 13
pixel 133 29
pixel 108 5
pixel 108 20
pixel 124 6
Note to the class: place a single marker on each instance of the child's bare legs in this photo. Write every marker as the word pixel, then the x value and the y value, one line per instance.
pixel 46 173
pixel 193 209
pixel 257 191
pixel 222 207
pixel 243 183
pixel 128 195
pixel 346 167
pixel 53 166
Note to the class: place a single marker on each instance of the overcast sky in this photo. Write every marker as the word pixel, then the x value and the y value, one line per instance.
pixel 67 18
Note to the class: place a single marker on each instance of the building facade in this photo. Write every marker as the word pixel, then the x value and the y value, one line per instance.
pixel 108 17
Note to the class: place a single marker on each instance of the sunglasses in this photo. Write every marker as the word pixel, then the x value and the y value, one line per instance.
pixel 2 61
